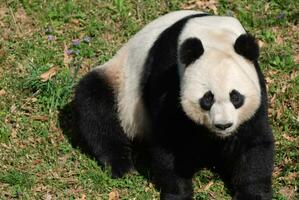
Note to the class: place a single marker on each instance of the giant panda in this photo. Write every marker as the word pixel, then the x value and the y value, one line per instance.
pixel 189 86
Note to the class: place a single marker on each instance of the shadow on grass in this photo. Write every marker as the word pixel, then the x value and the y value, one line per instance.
pixel 67 125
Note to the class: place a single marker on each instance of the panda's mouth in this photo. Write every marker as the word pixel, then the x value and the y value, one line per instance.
pixel 223 133
pixel 223 129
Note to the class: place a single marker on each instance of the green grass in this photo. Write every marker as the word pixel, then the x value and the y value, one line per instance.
pixel 37 159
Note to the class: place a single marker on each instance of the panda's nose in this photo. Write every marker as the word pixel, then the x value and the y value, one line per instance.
pixel 223 126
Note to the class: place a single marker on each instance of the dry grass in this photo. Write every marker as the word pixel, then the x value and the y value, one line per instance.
pixel 40 64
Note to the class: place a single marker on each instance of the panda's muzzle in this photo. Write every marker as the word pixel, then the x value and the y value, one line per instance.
pixel 223 126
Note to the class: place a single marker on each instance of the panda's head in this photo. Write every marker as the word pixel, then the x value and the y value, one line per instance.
pixel 219 84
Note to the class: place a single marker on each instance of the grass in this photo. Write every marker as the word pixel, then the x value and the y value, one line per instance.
pixel 37 159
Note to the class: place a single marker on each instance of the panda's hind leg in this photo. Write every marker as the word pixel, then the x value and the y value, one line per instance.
pixel 96 118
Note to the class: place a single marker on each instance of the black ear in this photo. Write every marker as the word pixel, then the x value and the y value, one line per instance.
pixel 247 46
pixel 190 50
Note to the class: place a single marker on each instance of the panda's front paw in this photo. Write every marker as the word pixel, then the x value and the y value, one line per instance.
pixel 120 167
pixel 169 196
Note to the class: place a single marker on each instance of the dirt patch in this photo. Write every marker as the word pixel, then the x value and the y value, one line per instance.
pixel 3 14
pixel 18 25
pixel 25 24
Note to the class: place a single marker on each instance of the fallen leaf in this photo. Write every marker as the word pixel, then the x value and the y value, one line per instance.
pixel 288 192
pixel 35 162
pixel 189 5
pixel 48 74
pixel 202 5
pixel 292 176
pixel 289 138
pixel 114 195
pixel 2 92
pixel 107 36
pixel 208 185
pixel 75 22
pixel 32 99
pixel 261 43
pixel 42 118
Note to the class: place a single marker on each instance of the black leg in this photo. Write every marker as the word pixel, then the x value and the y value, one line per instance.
pixel 173 186
pixel 96 117
pixel 252 172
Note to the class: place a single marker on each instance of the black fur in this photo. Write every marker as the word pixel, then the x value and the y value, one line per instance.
pixel 190 50
pixel 161 64
pixel 247 46
pixel 97 122
pixel 207 100
pixel 178 147
pixel 236 98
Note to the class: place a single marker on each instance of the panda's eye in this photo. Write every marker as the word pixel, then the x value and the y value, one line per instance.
pixel 207 100
pixel 236 98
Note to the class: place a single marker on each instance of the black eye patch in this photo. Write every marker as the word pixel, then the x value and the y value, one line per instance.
pixel 236 98
pixel 207 100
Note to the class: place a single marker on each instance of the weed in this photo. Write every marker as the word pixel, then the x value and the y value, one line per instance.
pixel 39 162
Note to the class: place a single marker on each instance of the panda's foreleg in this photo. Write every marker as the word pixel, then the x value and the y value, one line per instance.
pixel 173 186
pixel 98 124
pixel 252 172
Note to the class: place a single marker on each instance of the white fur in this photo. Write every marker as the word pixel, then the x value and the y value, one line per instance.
pixel 132 114
pixel 219 70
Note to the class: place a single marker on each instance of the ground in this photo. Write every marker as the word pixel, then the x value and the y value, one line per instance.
pixel 46 46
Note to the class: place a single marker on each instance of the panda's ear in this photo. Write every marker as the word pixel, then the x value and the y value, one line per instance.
pixel 247 46
pixel 190 50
